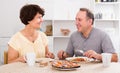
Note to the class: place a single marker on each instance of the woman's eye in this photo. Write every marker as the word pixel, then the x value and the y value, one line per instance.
pixel 39 17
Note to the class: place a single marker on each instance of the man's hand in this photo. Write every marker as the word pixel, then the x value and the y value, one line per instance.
pixel 93 54
pixel 61 54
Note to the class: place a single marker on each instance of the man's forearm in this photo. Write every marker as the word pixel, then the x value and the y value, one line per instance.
pixel 114 57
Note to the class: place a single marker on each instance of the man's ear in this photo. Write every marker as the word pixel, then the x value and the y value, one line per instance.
pixel 90 21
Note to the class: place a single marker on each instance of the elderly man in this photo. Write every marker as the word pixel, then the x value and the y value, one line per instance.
pixel 88 39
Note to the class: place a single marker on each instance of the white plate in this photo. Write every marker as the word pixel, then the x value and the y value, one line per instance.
pixel 65 69
pixel 64 65
pixel 72 58
pixel 94 60
pixel 86 59
pixel 43 59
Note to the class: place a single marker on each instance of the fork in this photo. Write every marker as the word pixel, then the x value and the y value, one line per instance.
pixel 79 51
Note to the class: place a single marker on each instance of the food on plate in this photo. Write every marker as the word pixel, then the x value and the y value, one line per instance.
pixel 79 59
pixel 64 64
pixel 38 60
pixel 43 63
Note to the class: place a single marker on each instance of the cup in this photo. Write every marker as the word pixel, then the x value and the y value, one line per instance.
pixel 118 55
pixel 106 59
pixel 30 58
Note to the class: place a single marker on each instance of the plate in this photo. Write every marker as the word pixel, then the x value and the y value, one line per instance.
pixel 91 60
pixel 77 59
pixel 82 59
pixel 64 65
pixel 64 69
pixel 38 60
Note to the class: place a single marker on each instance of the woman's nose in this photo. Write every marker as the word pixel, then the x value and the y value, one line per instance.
pixel 41 19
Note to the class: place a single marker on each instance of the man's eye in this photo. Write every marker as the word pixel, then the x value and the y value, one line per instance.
pixel 79 19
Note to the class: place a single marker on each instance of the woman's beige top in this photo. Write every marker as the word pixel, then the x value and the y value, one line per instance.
pixel 20 43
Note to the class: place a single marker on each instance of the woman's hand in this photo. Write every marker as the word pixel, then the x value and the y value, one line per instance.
pixel 21 59
pixel 50 55
pixel 13 56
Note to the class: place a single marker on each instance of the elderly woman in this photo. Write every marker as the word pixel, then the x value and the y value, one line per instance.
pixel 29 39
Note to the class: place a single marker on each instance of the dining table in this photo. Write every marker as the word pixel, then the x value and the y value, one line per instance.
pixel 85 67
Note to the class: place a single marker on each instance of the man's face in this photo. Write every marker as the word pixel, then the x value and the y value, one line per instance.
pixel 82 22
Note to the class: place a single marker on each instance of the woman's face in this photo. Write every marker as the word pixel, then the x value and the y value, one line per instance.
pixel 37 21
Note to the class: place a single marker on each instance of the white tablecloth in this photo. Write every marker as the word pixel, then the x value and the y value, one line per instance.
pixel 19 67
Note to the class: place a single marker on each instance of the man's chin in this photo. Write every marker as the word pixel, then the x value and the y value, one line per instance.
pixel 79 30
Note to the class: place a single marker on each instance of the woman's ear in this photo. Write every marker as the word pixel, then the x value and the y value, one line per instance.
pixel 28 22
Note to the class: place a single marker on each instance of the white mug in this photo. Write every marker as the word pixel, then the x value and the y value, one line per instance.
pixel 118 55
pixel 30 58
pixel 106 59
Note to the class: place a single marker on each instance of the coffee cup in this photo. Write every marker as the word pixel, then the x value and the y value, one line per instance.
pixel 118 56
pixel 106 59
pixel 30 58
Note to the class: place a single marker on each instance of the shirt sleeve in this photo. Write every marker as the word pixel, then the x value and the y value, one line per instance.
pixel 70 48
pixel 107 45
pixel 13 43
